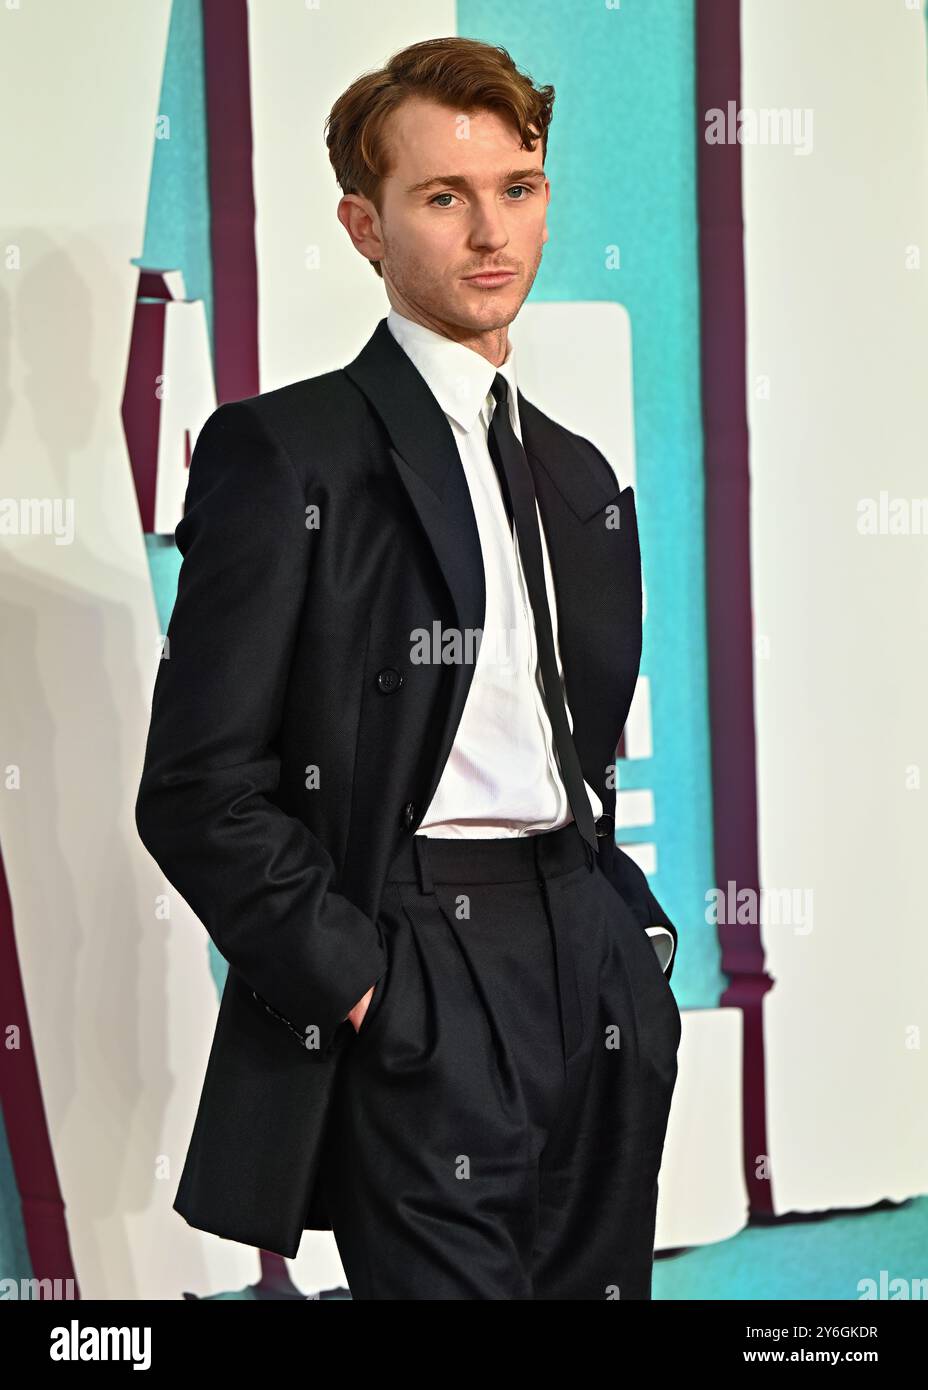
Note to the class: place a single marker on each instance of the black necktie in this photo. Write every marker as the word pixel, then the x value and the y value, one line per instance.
pixel 518 488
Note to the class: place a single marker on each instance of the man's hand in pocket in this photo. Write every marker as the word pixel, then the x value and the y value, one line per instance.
pixel 360 1009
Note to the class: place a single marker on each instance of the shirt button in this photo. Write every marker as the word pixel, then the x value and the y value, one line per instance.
pixel 388 680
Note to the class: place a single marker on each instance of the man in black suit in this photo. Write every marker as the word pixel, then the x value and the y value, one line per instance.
pixel 380 766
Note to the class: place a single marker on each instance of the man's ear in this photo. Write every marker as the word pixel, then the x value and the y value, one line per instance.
pixel 360 219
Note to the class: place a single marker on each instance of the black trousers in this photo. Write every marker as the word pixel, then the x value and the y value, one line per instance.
pixel 500 1116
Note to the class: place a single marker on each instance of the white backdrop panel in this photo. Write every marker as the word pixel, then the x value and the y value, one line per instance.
pixel 838 412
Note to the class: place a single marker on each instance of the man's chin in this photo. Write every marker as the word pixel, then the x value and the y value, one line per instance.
pixel 484 311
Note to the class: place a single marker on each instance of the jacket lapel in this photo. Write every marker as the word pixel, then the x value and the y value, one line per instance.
pixel 597 593
pixel 428 464
pixel 551 449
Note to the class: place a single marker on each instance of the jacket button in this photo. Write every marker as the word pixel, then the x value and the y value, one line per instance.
pixel 389 680
pixel 409 815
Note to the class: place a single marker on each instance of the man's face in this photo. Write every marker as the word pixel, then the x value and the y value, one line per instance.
pixel 462 197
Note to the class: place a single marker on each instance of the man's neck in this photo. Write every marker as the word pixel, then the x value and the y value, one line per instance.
pixel 492 344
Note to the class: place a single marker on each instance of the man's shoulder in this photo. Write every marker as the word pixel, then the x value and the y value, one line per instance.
pixel 315 417
pixel 329 396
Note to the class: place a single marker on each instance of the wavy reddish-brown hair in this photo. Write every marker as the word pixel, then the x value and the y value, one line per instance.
pixel 463 74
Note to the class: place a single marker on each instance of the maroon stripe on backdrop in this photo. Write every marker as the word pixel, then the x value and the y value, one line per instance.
pixel 728 555
pixel 231 198
pixel 26 1125
pixel 153 284
pixel 141 400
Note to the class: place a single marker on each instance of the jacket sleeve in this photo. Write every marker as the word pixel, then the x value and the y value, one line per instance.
pixel 256 877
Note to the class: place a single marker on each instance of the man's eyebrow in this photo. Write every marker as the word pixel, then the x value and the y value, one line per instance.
pixel 460 181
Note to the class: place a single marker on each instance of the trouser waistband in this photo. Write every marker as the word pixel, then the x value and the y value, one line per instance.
pixel 426 860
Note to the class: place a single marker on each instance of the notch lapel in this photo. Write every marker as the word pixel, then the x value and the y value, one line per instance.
pixel 597 583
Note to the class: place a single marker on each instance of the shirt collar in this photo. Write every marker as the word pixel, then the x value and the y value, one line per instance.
pixel 459 378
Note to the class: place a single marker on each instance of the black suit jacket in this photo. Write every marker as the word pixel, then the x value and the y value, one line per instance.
pixel 294 745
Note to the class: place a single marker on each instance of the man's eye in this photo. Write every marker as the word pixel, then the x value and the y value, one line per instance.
pixel 521 187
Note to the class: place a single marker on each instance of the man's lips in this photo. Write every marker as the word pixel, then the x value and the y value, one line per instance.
pixel 489 278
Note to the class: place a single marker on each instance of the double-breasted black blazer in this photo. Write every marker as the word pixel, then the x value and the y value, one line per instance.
pixel 295 744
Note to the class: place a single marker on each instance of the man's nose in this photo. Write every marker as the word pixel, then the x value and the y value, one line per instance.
pixel 488 226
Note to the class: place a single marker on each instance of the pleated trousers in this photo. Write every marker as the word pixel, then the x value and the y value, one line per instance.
pixel 500 1116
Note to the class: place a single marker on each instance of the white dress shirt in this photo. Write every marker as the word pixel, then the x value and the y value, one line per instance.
pixel 502 777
